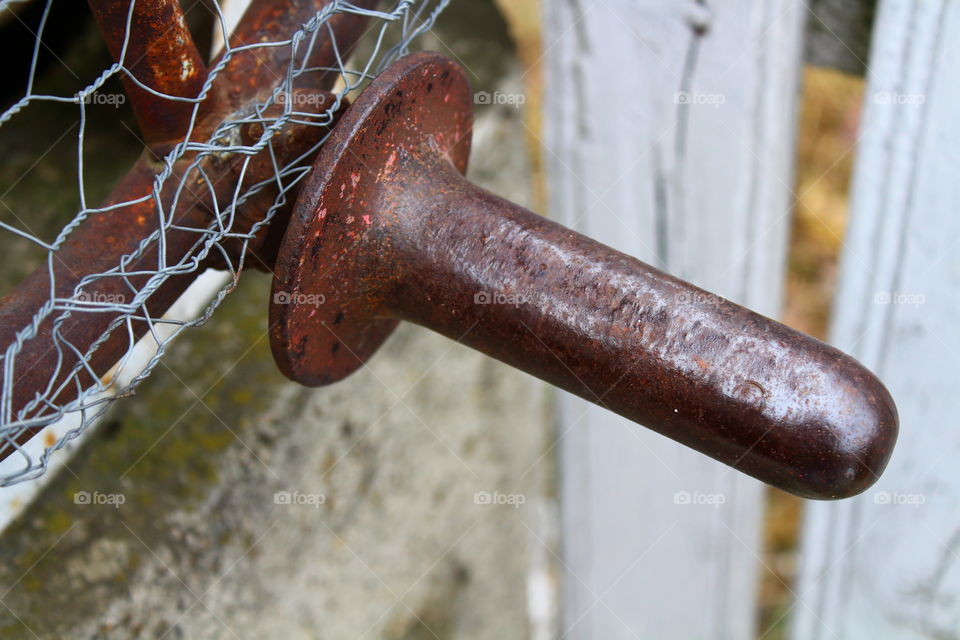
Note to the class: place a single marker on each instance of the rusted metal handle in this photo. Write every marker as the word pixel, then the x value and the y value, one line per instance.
pixel 388 229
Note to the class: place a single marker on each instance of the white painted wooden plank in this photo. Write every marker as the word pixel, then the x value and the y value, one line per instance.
pixel 670 135
pixel 885 564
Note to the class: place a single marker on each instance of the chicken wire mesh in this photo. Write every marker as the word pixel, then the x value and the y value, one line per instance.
pixel 239 171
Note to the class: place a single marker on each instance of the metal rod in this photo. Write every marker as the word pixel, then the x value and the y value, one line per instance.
pixel 388 229
pixel 155 47
pixel 248 71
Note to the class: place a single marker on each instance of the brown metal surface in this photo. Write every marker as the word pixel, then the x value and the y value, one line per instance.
pixel 155 46
pixel 387 229
pixel 99 243
pixel 249 71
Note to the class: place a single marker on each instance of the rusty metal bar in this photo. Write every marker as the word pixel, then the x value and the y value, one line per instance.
pixel 387 229
pixel 249 71
pixel 154 45
pixel 104 238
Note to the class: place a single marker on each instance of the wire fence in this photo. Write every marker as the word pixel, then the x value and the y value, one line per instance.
pixel 73 388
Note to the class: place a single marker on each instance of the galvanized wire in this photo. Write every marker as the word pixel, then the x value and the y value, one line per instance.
pixel 400 21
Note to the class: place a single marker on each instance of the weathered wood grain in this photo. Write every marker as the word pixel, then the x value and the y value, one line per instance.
pixel 670 135
pixel 885 565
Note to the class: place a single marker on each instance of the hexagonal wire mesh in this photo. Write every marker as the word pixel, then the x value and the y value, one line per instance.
pixel 91 323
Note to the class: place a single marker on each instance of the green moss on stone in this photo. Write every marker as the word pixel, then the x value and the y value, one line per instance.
pixel 162 452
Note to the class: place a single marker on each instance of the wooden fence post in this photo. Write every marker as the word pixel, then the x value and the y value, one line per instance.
pixel 670 135
pixel 885 565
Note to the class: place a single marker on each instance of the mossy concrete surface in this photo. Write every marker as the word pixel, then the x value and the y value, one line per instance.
pixel 383 473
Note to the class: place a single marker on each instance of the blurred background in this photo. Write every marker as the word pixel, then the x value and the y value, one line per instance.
pixel 778 153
